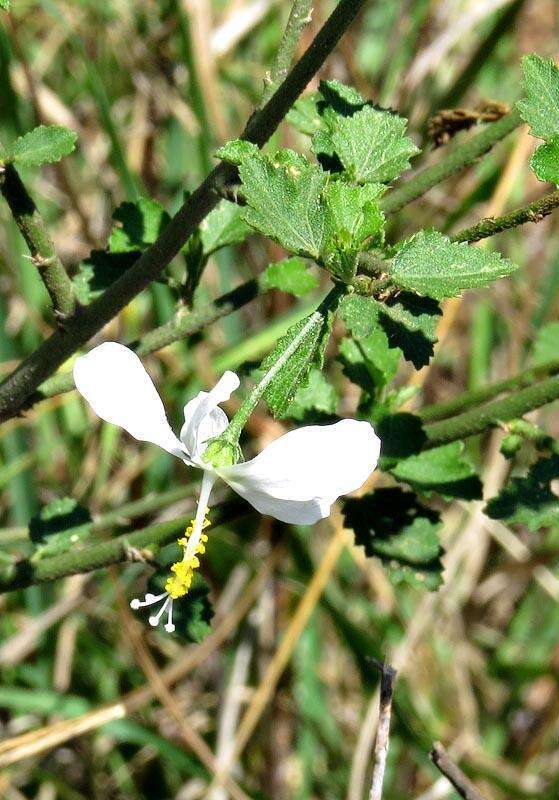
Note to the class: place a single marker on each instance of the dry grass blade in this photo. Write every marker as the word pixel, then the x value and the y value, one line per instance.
pixel 35 742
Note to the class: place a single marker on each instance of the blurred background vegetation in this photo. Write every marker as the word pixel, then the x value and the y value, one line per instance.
pixel 152 88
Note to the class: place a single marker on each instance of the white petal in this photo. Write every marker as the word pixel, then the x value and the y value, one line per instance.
pixel 296 512
pixel 117 387
pixel 203 420
pixel 311 465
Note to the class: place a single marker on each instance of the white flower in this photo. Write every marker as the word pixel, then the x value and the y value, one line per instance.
pixel 296 478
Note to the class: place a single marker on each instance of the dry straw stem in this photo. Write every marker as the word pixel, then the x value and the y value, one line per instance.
pixel 453 773
pixel 387 678
pixel 281 657
pixel 39 741
pixel 191 738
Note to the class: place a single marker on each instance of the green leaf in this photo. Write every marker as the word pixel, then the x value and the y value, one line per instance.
pixel 410 323
pixel 540 108
pixel 301 348
pixel 442 469
pixel 98 271
pixel 291 275
pixel 43 145
pixel 5 4
pixel 369 362
pixel 360 314
pixel 529 501
pixel 56 528
pixel 236 151
pixel 353 221
pixel 192 614
pixel 137 225
pixel 546 346
pixel 224 226
pixel 313 402
pixel 402 435
pixel 304 115
pixel 545 162
pixel 430 264
pixel 392 525
pixel 337 101
pixel 283 200
pixel 372 145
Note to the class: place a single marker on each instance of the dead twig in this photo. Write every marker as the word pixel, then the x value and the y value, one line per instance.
pixel 453 773
pixel 387 678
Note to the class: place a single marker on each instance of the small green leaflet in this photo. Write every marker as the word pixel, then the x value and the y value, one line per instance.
pixel 304 114
pixel 353 222
pixel 283 197
pixel 372 145
pixel 367 359
pixel 430 264
pixel 410 322
pixel 223 227
pixel 137 225
pixel 291 275
pixel 360 314
pixel 401 434
pixel 545 162
pixel 540 107
pixel 442 469
pixel 58 527
pixel 43 145
pixel 350 133
pixel 392 525
pixel 301 348
pixel 546 346
pixel 5 4
pixel 316 400
pixel 529 501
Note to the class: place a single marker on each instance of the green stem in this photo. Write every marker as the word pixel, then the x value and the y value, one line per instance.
pixel 468 400
pixel 459 155
pixel 183 324
pixel 533 212
pixel 299 17
pixel 18 386
pixel 113 551
pixel 43 255
pixel 493 414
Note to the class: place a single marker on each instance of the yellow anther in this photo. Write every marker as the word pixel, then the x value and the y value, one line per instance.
pixel 178 584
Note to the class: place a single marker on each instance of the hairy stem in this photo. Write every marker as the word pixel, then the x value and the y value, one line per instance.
pixel 18 386
pixel 533 212
pixel 120 549
pixel 476 397
pixel 460 154
pixel 43 255
pixel 493 414
pixel 299 16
